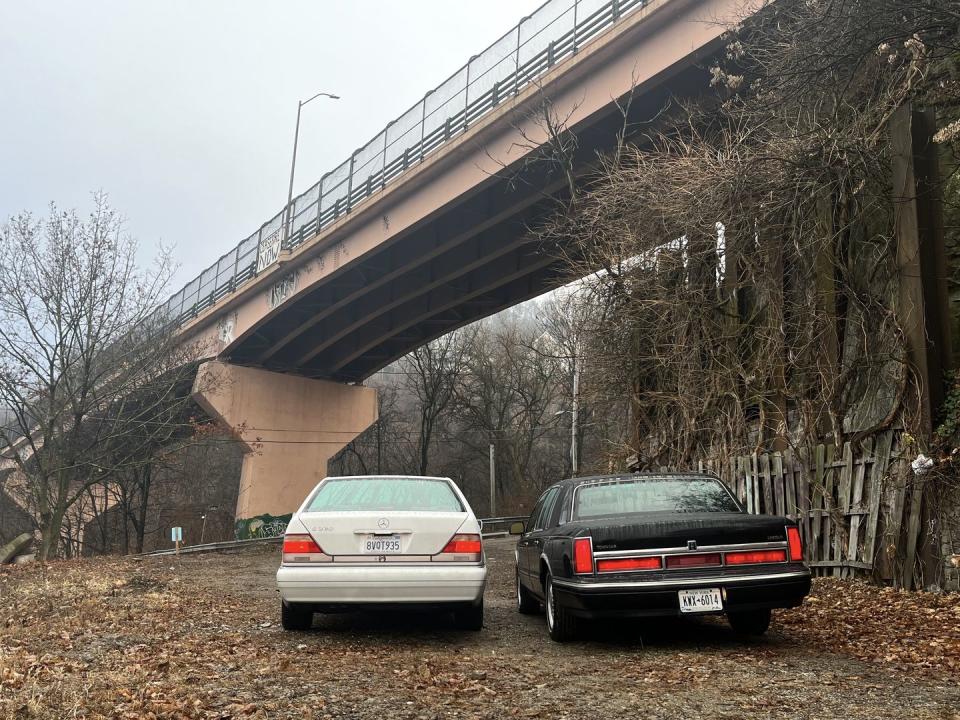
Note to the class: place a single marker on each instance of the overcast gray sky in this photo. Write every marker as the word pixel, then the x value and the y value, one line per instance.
pixel 183 111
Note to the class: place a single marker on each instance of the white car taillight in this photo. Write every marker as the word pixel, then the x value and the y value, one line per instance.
pixel 302 549
pixel 462 548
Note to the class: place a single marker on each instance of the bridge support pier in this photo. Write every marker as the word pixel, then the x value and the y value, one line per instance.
pixel 290 427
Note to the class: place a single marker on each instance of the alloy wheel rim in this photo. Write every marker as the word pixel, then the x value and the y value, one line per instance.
pixel 519 597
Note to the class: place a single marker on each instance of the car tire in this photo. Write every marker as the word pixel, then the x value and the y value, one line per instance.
pixel 561 625
pixel 527 604
pixel 295 616
pixel 751 622
pixel 469 617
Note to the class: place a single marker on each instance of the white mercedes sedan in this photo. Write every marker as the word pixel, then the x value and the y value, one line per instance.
pixel 374 541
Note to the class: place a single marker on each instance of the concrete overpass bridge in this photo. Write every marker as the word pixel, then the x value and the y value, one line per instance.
pixel 421 230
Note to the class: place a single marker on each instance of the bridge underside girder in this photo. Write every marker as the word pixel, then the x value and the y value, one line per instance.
pixel 465 262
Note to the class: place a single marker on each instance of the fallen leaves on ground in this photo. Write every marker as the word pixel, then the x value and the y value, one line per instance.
pixel 198 637
pixel 915 631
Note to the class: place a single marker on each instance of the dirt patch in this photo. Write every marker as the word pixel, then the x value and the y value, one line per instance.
pixel 198 637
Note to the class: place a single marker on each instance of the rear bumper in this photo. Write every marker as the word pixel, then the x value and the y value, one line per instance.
pixel 379 585
pixel 650 599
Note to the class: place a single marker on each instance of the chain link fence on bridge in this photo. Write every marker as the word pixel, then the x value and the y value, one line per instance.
pixel 520 57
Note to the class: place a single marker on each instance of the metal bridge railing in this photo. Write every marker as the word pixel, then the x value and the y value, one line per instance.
pixel 553 32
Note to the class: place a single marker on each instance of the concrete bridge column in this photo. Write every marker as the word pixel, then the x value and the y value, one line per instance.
pixel 290 427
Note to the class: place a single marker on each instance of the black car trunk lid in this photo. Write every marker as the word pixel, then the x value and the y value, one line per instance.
pixel 645 531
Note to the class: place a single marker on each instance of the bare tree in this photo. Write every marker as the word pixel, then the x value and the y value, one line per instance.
pixel 506 397
pixel 92 376
pixel 380 448
pixel 602 410
pixel 430 375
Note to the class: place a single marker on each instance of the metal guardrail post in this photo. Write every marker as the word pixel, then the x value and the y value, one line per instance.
pixel 423 124
pixel 216 281
pixel 383 165
pixel 320 202
pixel 353 160
pixel 236 268
pixel 466 93
pixel 576 7
pixel 516 60
pixel 615 9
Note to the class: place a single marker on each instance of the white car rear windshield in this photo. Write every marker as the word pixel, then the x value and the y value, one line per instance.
pixel 376 494
pixel 651 494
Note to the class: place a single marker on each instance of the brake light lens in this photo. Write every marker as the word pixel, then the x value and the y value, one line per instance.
pixel 626 564
pixel 299 545
pixel 755 557
pixel 689 561
pixel 583 556
pixel 795 544
pixel 300 548
pixel 467 547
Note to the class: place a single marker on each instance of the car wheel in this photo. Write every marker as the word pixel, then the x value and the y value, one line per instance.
pixel 526 603
pixel 751 622
pixel 469 617
pixel 560 623
pixel 295 616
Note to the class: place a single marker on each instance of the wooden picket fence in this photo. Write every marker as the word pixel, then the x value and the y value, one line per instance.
pixel 839 498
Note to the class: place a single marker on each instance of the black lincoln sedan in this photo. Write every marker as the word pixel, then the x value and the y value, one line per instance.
pixel 646 545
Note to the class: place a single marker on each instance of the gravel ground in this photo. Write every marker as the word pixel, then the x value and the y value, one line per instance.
pixel 198 637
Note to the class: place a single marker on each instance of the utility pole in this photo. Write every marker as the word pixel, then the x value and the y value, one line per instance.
pixel 493 481
pixel 574 418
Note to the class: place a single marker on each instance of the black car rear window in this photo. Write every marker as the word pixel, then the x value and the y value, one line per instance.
pixel 623 496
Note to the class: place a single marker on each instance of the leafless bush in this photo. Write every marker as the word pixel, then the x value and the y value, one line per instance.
pixel 740 249
pixel 93 379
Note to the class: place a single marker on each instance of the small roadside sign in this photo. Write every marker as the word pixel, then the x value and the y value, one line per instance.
pixel 176 536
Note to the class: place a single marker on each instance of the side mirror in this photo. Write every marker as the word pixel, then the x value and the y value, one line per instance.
pixel 516 528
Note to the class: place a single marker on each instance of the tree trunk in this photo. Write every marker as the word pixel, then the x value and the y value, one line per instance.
pixel 125 509
pixel 144 499
pixel 50 526
pixel 426 429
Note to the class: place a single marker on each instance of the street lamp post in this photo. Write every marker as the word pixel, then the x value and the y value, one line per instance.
pixel 293 164
pixel 203 528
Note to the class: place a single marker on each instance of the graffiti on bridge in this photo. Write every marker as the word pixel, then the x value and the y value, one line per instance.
pixel 262 526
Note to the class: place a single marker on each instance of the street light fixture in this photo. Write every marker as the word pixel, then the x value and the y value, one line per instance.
pixel 293 163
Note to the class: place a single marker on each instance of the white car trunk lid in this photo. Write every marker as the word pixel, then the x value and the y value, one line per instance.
pixel 388 532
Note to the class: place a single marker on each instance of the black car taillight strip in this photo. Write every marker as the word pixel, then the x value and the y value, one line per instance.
pixel 778 545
